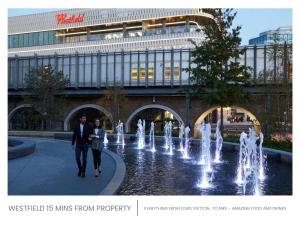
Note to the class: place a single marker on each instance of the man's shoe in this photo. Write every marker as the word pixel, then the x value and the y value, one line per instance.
pixel 82 174
pixel 79 173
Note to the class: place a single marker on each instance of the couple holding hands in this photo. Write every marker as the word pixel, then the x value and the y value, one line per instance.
pixel 83 137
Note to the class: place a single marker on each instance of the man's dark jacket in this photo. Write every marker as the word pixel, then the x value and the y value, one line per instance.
pixel 87 130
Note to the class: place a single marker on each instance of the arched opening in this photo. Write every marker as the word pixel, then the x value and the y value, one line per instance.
pixel 92 112
pixel 156 113
pixel 24 117
pixel 235 119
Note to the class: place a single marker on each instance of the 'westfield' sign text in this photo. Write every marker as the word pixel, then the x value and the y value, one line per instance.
pixel 63 18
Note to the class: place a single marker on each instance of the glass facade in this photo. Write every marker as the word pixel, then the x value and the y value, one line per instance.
pixel 137 68
pixel 100 32
pixel 280 35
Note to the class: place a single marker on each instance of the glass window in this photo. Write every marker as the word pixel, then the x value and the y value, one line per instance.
pixel 103 70
pixel 10 41
pixel 55 37
pixel 21 40
pixel 52 62
pixel 94 70
pixel 9 73
pixel 110 70
pixel 142 68
pixel 40 62
pixel 66 67
pixel 30 39
pixel 159 67
pixel 94 37
pixel 15 41
pixel 88 71
pixel 82 37
pixel 151 67
pixel 176 68
pixel 21 73
pixel 81 71
pixel 35 38
pixel 134 67
pixel 26 37
pixel 46 37
pixel 73 71
pixel 185 65
pixel 51 38
pixel 41 36
pixel 32 63
pixel 12 72
pixel 46 61
pixel 118 71
pixel 126 68
pixel 60 64
pixel 167 67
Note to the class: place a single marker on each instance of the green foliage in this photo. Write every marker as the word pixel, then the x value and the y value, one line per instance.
pixel 217 77
pixel 286 145
pixel 116 101
pixel 45 86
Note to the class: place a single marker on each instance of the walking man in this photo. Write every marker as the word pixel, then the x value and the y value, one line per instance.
pixel 81 136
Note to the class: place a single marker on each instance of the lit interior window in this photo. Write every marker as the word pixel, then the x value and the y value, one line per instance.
pixel 150 73
pixel 142 74
pixel 134 74
pixel 167 73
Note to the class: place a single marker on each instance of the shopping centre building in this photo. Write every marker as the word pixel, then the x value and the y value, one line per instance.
pixel 144 51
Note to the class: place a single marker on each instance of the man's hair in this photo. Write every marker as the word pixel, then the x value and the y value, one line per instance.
pixel 82 115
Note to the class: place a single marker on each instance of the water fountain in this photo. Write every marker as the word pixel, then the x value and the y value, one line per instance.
pixel 105 141
pixel 152 138
pixel 140 134
pixel 241 163
pixel 185 153
pixel 166 134
pixel 251 164
pixel 261 158
pixel 205 158
pixel 219 143
pixel 181 134
pixel 170 139
pixel 120 133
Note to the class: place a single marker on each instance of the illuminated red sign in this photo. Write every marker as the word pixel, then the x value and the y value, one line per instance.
pixel 63 18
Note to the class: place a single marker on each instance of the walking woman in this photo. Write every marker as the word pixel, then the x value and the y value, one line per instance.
pixel 97 145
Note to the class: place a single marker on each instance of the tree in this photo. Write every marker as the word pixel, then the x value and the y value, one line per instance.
pixel 45 86
pixel 217 76
pixel 116 101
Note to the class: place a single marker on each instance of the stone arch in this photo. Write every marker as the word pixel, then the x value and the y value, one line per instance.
pixel 205 113
pixel 13 111
pixel 156 106
pixel 29 123
pixel 93 106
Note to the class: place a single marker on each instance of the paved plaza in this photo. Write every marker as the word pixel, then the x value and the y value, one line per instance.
pixel 52 170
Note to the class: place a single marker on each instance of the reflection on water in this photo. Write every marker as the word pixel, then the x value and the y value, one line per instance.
pixel 158 173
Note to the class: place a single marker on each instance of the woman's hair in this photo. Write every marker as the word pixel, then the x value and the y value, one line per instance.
pixel 100 124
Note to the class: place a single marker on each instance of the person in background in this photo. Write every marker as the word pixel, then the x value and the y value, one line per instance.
pixel 97 145
pixel 81 135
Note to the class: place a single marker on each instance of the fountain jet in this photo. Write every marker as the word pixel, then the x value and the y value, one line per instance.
pixel 219 143
pixel 152 138
pixel 140 134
